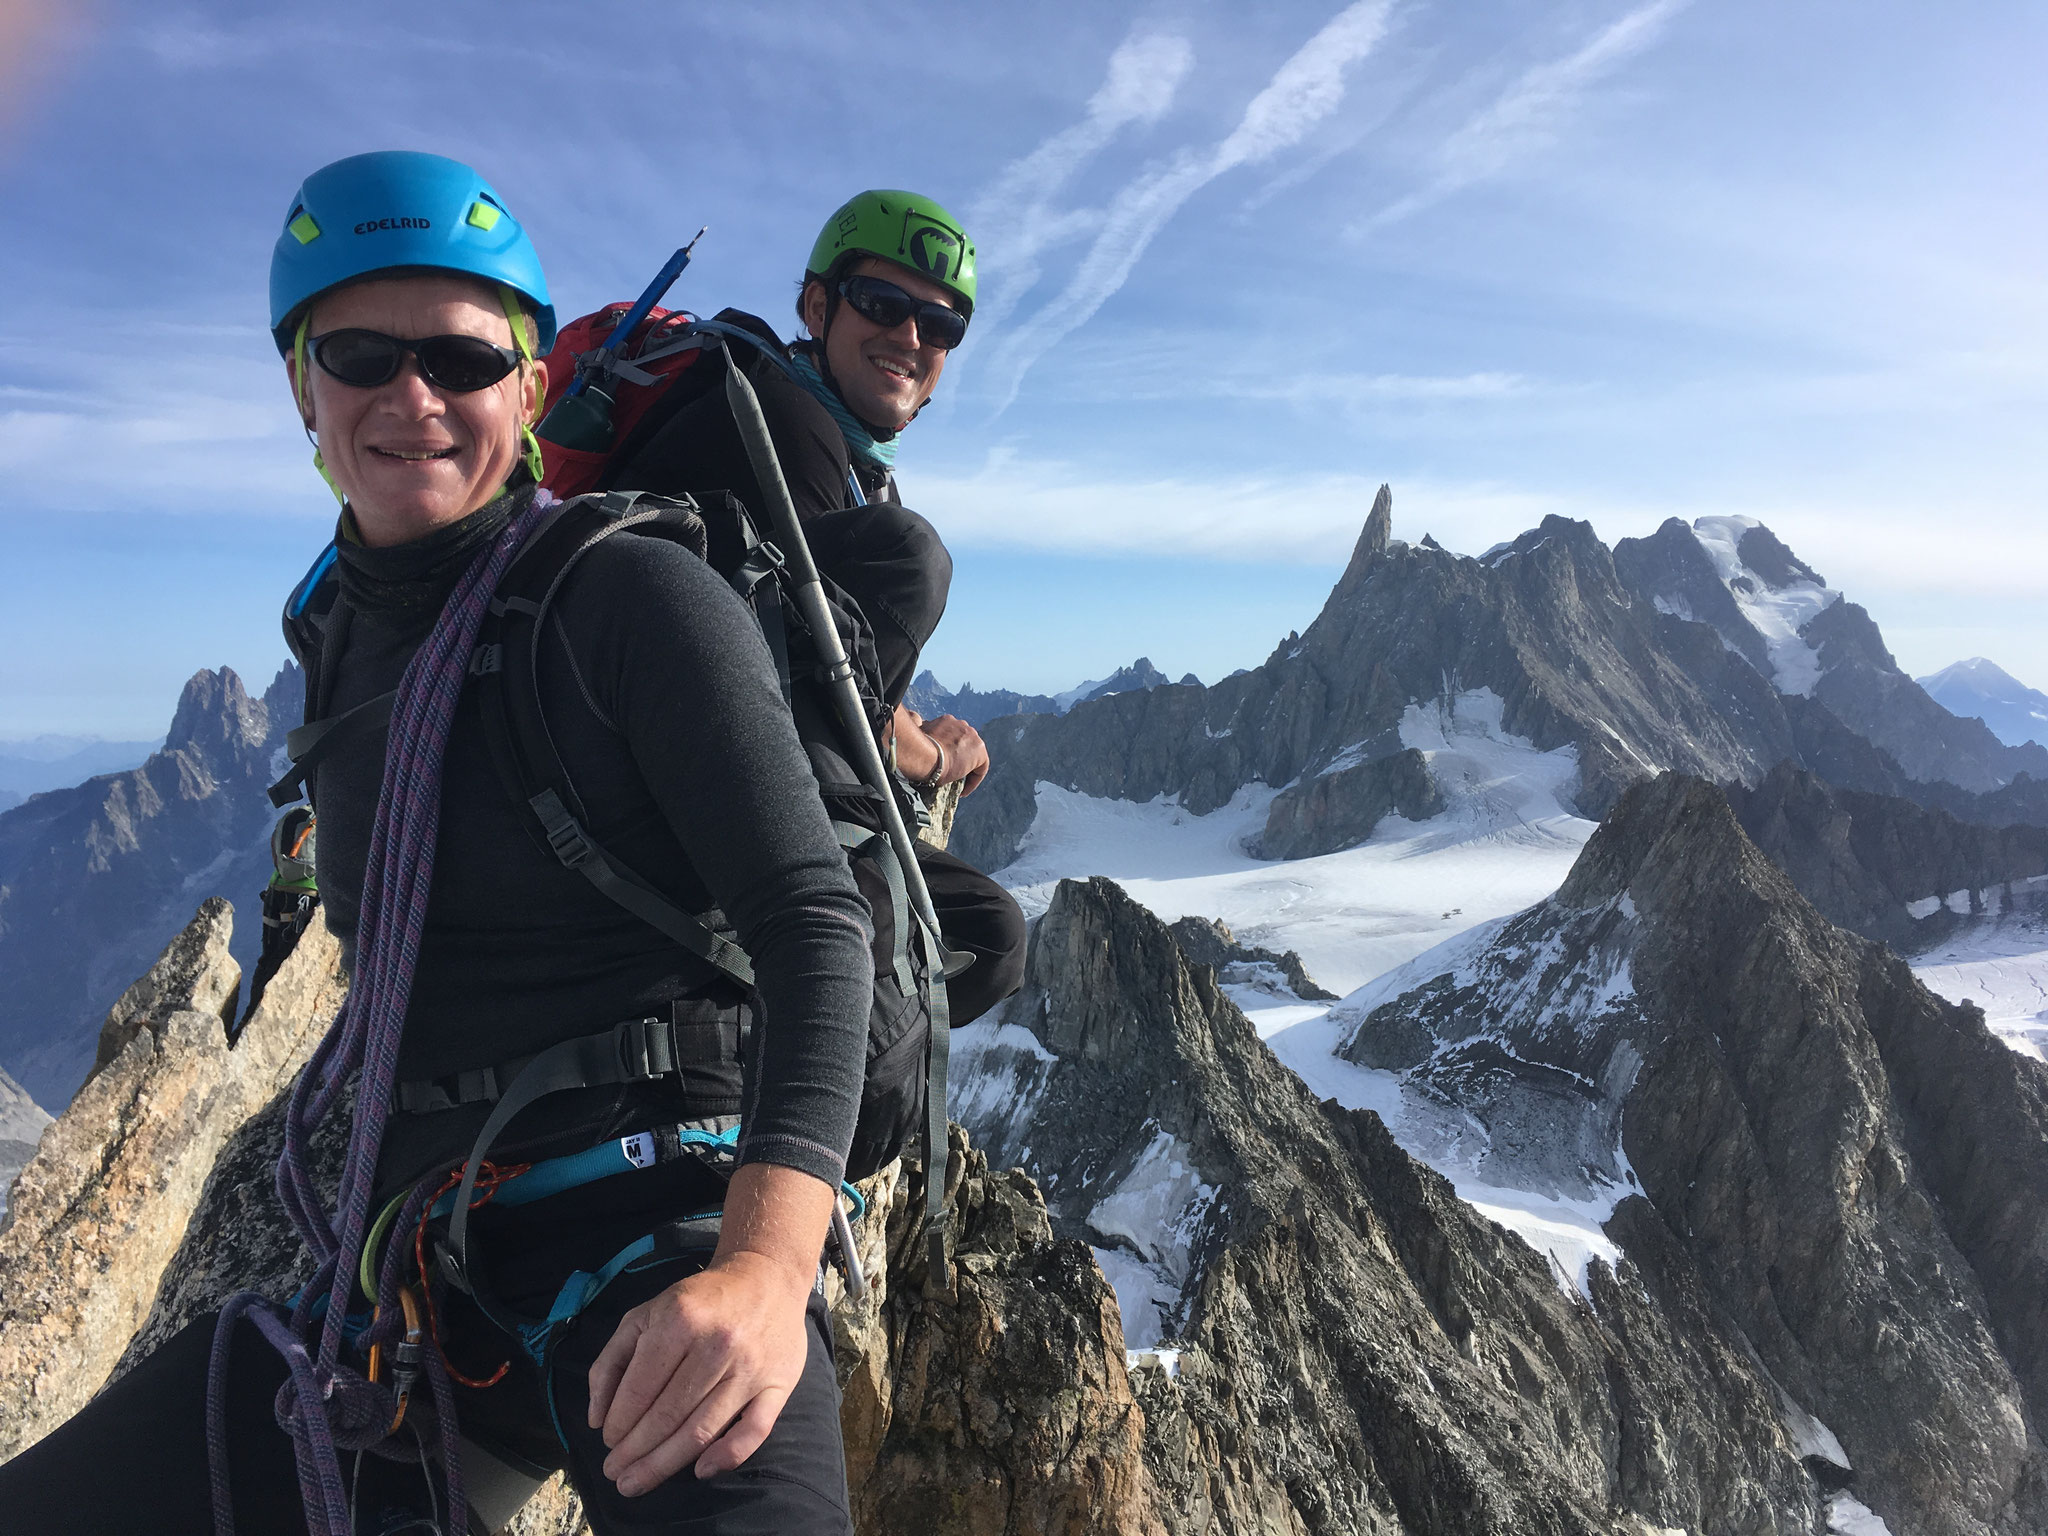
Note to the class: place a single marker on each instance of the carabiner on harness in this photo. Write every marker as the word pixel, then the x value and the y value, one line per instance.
pixel 408 1357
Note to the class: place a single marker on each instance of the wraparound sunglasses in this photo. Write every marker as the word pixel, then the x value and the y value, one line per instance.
pixel 366 359
pixel 879 300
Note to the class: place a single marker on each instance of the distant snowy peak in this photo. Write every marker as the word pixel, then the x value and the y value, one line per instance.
pixel 1982 690
pixel 1811 643
pixel 931 698
pixel 1775 591
pixel 1139 674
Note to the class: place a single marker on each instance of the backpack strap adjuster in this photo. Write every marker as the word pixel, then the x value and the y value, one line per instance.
pixel 646 1048
pixel 566 837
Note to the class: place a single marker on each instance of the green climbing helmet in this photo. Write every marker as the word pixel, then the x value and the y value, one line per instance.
pixel 900 227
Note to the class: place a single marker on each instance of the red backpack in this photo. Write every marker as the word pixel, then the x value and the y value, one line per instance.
pixel 661 348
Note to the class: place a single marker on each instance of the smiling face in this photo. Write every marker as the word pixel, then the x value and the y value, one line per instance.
pixel 883 375
pixel 410 456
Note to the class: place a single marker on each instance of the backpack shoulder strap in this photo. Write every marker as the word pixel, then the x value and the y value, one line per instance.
pixel 315 622
pixel 506 667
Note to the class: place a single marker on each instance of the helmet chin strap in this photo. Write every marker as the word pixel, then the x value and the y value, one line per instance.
pixel 302 387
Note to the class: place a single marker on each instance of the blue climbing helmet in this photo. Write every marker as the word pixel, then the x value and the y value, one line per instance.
pixel 399 208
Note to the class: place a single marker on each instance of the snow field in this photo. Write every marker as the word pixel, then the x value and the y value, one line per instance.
pixel 1149 1222
pixel 1849 1516
pixel 1360 918
pixel 1778 615
pixel 1505 841
pixel 2002 967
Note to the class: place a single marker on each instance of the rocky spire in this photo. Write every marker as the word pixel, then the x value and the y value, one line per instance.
pixel 1378 531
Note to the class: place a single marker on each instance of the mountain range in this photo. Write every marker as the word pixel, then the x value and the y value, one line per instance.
pixel 1711 650
pixel 1981 690
pixel 56 762
pixel 931 698
pixel 1806 1274
pixel 1466 1080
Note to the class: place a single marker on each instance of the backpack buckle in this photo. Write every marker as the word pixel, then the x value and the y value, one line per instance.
pixel 646 1048
pixel 569 843
pixel 776 559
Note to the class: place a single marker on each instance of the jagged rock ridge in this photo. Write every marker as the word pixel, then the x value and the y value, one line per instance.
pixel 1209 941
pixel 931 698
pixel 1352 1347
pixel 1638 659
pixel 1854 1172
pixel 106 1202
pixel 1885 867
pixel 94 879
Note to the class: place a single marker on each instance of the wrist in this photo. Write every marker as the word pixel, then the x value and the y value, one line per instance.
pixel 937 776
pixel 772 1272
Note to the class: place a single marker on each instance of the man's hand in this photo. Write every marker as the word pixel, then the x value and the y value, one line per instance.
pixel 917 749
pixel 700 1373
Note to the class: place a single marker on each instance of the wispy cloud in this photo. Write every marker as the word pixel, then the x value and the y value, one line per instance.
pixel 1302 93
pixel 1015 220
pixel 1530 114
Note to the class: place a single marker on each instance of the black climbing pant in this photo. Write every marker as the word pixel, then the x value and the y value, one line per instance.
pixel 134 1459
pixel 979 916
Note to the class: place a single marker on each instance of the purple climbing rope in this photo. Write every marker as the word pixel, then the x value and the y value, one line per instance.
pixel 326 1405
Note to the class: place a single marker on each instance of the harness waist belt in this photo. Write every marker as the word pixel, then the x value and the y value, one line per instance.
pixel 645 1048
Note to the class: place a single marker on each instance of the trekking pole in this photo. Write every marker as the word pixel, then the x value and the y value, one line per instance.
pixel 811 604
pixel 582 418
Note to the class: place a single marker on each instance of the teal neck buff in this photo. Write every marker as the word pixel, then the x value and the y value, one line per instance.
pixel 860 438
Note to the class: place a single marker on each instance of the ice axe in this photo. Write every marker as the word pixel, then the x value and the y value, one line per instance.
pixel 809 592
pixel 582 419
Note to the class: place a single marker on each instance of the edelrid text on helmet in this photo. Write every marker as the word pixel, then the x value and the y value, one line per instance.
pixel 398 208
pixel 901 227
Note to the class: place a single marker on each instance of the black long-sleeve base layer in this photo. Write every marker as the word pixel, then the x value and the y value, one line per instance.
pixel 664 704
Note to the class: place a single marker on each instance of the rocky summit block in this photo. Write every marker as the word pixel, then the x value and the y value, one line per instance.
pixel 104 1205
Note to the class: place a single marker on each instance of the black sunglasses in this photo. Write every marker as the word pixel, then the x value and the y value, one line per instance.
pixel 879 300
pixel 366 359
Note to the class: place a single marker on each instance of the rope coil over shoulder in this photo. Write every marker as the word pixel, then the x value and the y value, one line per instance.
pixel 327 1405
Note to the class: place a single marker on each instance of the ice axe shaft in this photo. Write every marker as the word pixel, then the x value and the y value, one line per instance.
pixel 810 600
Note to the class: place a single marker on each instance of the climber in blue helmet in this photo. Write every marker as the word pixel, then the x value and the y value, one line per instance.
pixel 396 258
pixel 651 1317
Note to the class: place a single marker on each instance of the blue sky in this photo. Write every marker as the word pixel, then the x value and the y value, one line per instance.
pixel 1618 261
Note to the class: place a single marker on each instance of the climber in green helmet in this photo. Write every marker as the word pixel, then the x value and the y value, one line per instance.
pixel 886 294
pixel 904 269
